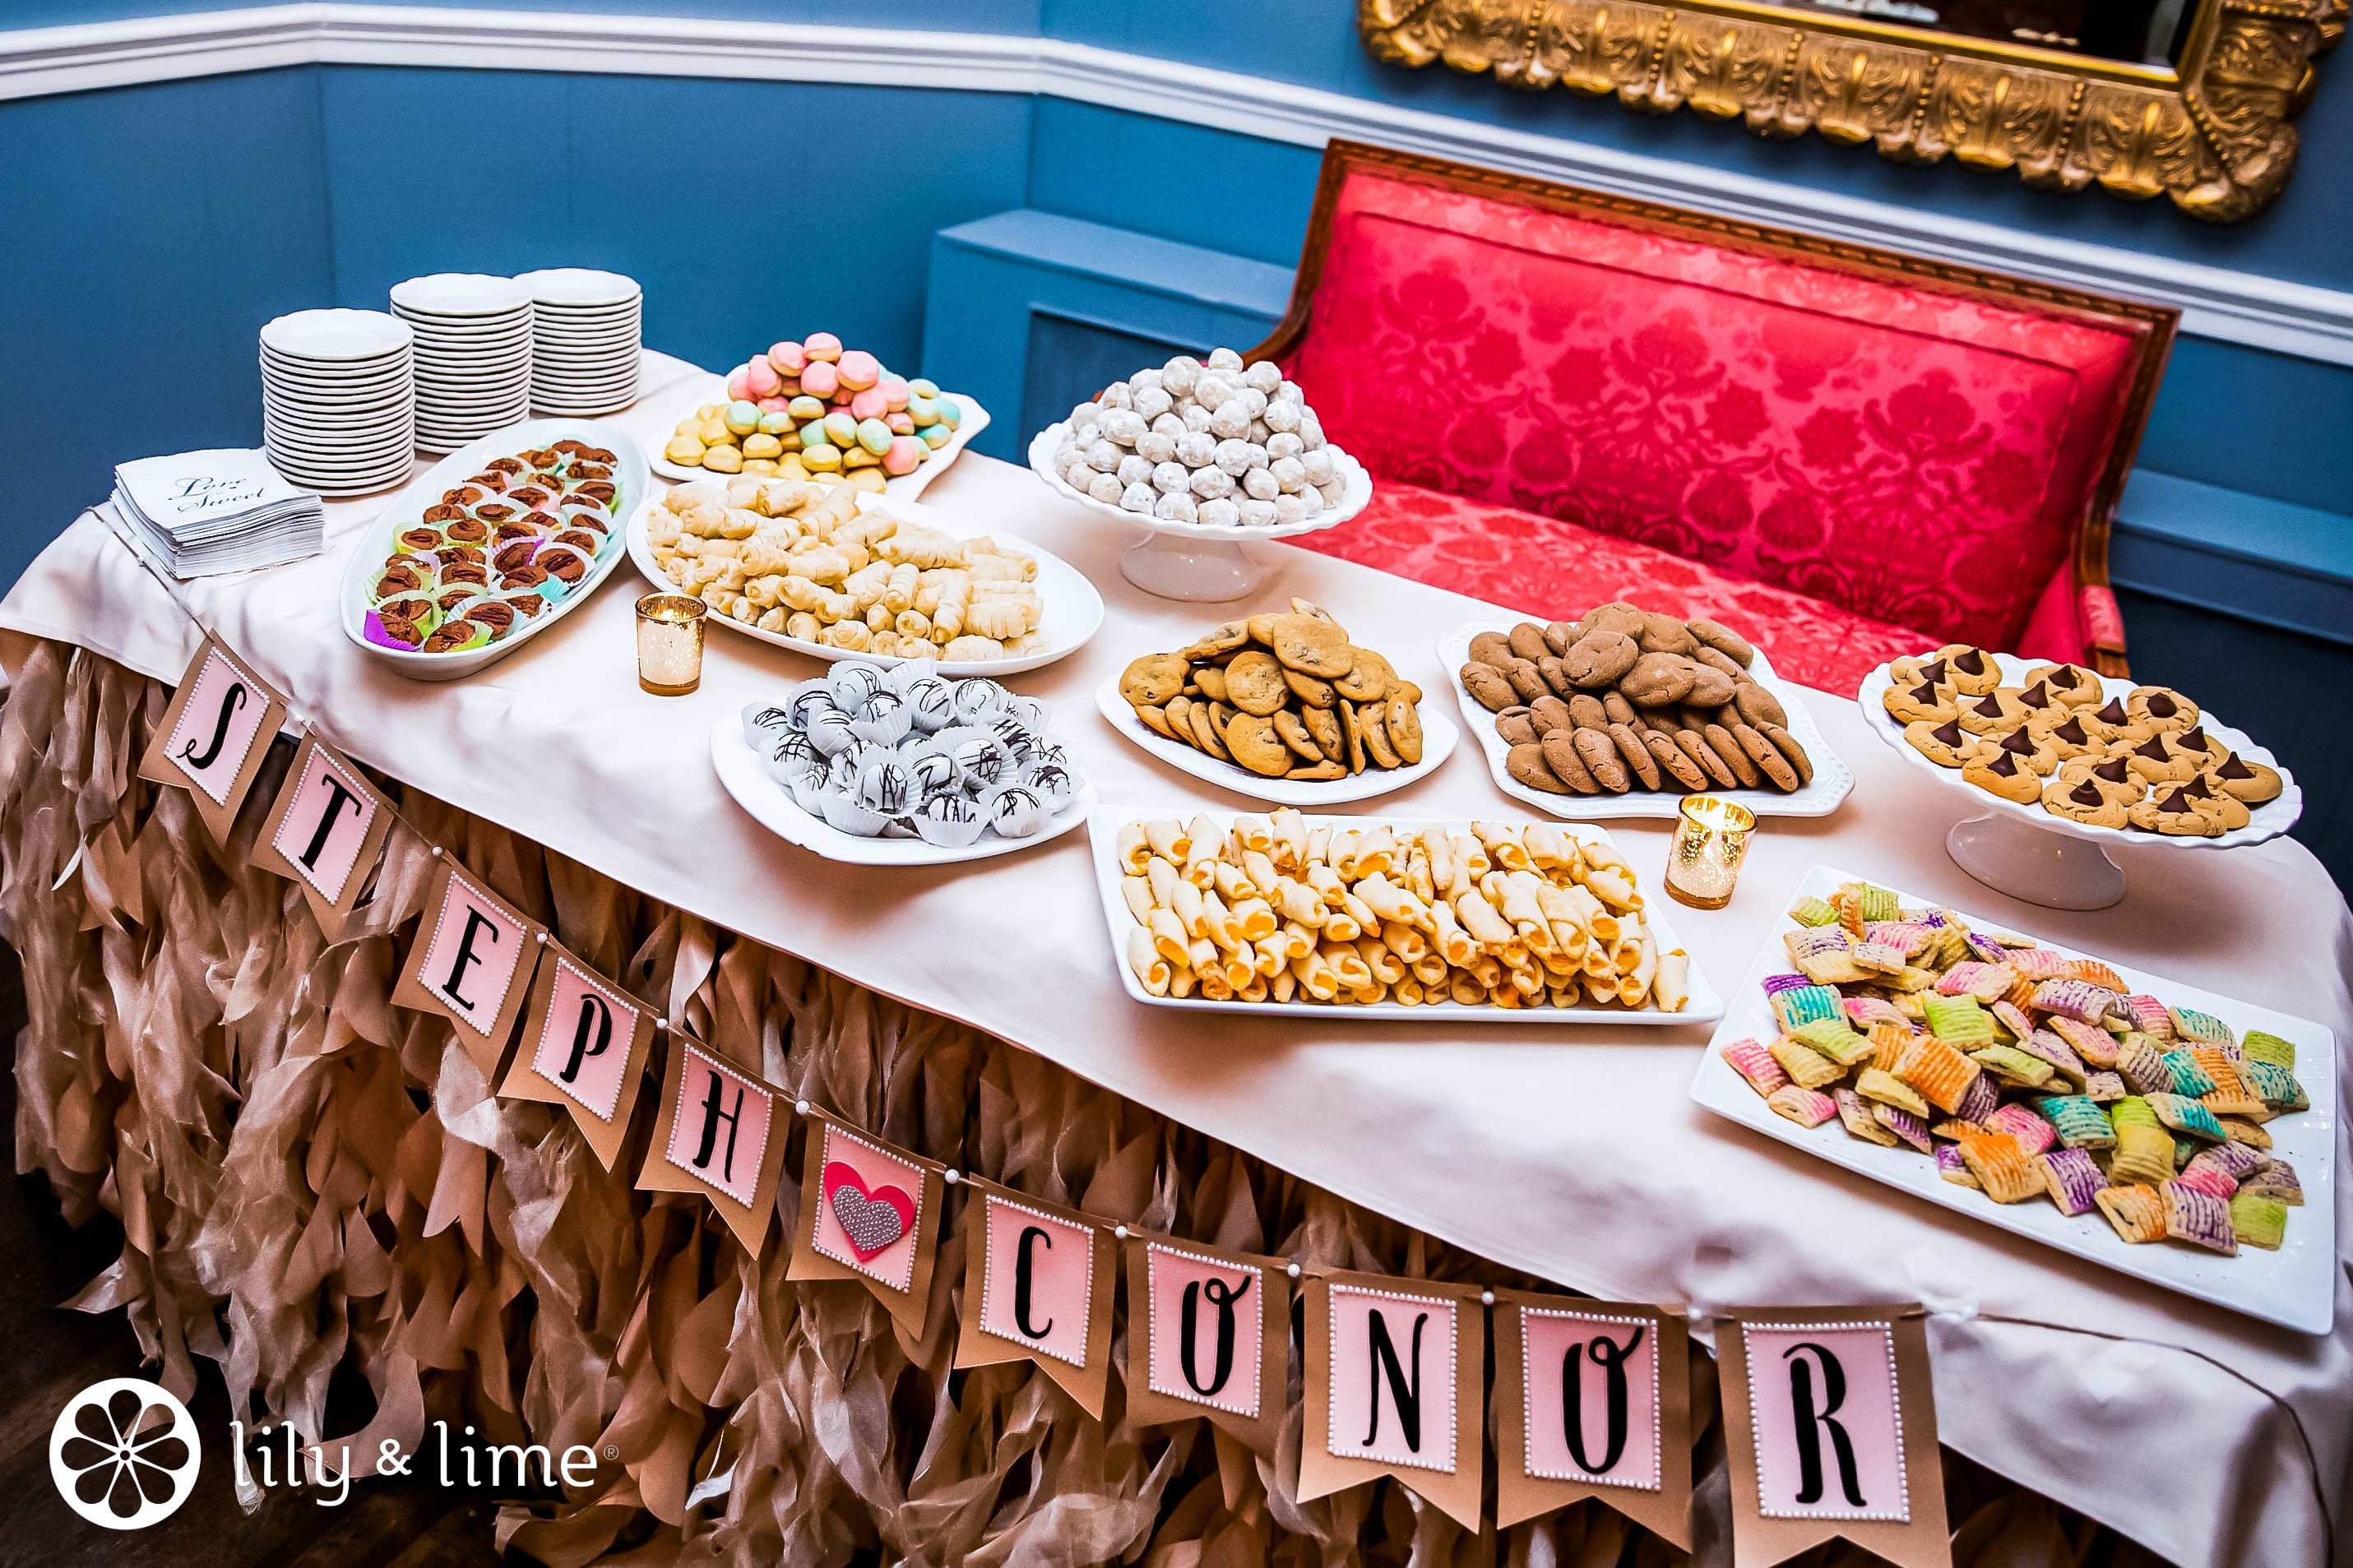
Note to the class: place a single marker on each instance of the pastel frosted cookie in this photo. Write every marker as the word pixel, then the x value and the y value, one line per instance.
pixel 2162 708
pixel 1946 745
pixel 2068 683
pixel 2175 815
pixel 1923 703
pixel 1996 712
pixel 2030 750
pixel 2067 737
pixel 2000 772
pixel 2086 801
pixel 2245 779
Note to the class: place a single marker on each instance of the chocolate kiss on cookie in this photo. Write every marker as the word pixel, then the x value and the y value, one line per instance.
pixel 2113 770
pixel 2003 763
pixel 2153 748
pixel 2035 696
pixel 1969 663
pixel 2087 794
pixel 2071 733
pixel 2177 801
pixel 2064 675
pixel 2018 742
pixel 2233 768
pixel 1925 693
pixel 1990 707
pixel 2114 713
pixel 2198 788
pixel 1947 734
pixel 2160 705
pixel 1933 673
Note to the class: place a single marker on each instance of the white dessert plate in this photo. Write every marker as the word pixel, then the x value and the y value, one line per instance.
pixel 462 294
pixel 906 486
pixel 1832 781
pixel 336 337
pixel 1438 736
pixel 1704 1005
pixel 771 805
pixel 373 542
pixel 392 369
pixel 1073 610
pixel 580 289
pixel 2264 822
pixel 2293 1287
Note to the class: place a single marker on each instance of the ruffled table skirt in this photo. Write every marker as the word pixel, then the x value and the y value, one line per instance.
pixel 310 1178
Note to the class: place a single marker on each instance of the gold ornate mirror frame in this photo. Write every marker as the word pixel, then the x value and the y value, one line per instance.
pixel 2214 135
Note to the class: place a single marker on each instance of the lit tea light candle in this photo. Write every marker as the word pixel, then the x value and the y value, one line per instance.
pixel 670 643
pixel 1711 841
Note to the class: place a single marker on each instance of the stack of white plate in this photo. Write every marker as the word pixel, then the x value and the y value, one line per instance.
pixel 338 412
pixel 473 354
pixel 586 327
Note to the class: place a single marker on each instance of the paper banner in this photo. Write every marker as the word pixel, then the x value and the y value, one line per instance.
pixel 472 960
pixel 325 832
pixel 1592 1400
pixel 1396 1369
pixel 214 736
pixel 1830 1430
pixel 1038 1285
pixel 1209 1335
pixel 584 1048
pixel 721 1134
pixel 869 1213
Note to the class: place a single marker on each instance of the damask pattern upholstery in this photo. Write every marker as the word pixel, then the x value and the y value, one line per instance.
pixel 1919 457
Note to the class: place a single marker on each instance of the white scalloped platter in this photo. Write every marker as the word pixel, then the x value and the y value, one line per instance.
pixel 1832 781
pixel 2293 1287
pixel 1438 737
pixel 906 486
pixel 2264 822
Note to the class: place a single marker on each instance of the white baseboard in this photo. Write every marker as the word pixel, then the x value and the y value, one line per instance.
pixel 2215 302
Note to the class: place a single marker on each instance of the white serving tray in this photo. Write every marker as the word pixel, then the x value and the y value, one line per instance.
pixel 1073 610
pixel 906 486
pixel 1704 1005
pixel 771 805
pixel 2293 1287
pixel 1832 779
pixel 1438 736
pixel 404 509
pixel 2264 822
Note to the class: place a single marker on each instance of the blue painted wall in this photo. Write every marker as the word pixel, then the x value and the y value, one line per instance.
pixel 1020 17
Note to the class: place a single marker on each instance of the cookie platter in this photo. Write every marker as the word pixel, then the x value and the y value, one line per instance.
pixel 902 486
pixel 1439 739
pixel 2020 848
pixel 1820 796
pixel 2292 1286
pixel 1668 987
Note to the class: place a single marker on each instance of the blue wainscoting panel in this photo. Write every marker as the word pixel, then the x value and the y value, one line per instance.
pixel 2244 419
pixel 148 233
pixel 993 278
pixel 1018 16
pixel 2287 566
pixel 496 172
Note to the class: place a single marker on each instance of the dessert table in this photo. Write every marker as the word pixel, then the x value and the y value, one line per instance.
pixel 1571 1151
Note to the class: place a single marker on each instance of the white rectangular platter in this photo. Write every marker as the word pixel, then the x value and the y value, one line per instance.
pixel 906 486
pixel 1104 823
pixel 2293 1287
pixel 1831 782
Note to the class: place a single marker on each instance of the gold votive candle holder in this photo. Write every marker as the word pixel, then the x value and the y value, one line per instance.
pixel 1711 841
pixel 670 643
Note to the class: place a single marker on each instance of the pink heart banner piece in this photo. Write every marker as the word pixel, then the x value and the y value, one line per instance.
pixel 871 1220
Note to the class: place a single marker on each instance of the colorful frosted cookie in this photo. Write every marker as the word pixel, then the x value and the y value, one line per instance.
pixel 1803 1106
pixel 1947 745
pixel 1922 702
pixel 2137 1212
pixel 2162 708
pixel 2071 1179
pixel 2199 1218
pixel 1807 1068
pixel 2004 1167
pixel 2068 683
pixel 1754 1062
pixel 1940 1072
pixel 2258 1221
pixel 1854 1113
pixel 1997 712
pixel 2079 1121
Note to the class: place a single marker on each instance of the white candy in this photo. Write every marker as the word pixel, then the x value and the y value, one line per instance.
pixel 1311 430
pixel 1253 399
pixel 1290 473
pixel 1179 374
pixel 1256 513
pixel 1124 425
pixel 1283 444
pixel 1197 449
pixel 1259 432
pixel 1104 487
pixel 1331 491
pixel 1234 456
pixel 1282 414
pixel 1139 498
pixel 1289 510
pixel 1170 423
pixel 1102 454
pixel 1196 417
pixel 1289 392
pixel 1135 469
pixel 1157 446
pixel 1231 420
pixel 1084 413
pixel 1213 389
pixel 1144 381
pixel 1260 483
pixel 1176 508
pixel 1219 513
pixel 1212 484
pixel 1117 395
pixel 1257 456
pixel 1077 474
pixel 1265 376
pixel 1225 359
pixel 1152 401
pixel 1321 469
pixel 1170 478
pixel 1087 435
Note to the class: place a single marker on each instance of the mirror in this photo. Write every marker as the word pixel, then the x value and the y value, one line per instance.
pixel 2150 32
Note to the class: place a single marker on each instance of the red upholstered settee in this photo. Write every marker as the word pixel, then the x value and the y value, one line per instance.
pixel 1846 454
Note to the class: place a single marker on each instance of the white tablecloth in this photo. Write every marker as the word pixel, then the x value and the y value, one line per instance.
pixel 1574 1152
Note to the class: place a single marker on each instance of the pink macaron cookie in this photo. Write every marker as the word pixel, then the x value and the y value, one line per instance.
pixel 901 456
pixel 893 389
pixel 739 384
pixel 819 379
pixel 869 403
pixel 761 380
pixel 860 370
pixel 822 346
pixel 787 357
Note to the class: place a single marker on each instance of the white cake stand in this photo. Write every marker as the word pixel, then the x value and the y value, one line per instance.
pixel 2023 850
pixel 1193 561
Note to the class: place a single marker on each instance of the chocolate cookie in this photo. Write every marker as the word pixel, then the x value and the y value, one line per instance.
pixel 1635 755
pixel 1517 726
pixel 1696 748
pixel 1599 752
pixel 1671 758
pixel 1526 680
pixel 1559 753
pixel 1711 688
pixel 1758 706
pixel 1599 658
pixel 1722 742
pixel 1527 765
pixel 1586 712
pixel 1791 752
pixel 1550 713
pixel 1768 758
pixel 1725 640
pixel 1487 686
pixel 1658 678
pixel 1663 633
pixel 1491 648
pixel 1618 710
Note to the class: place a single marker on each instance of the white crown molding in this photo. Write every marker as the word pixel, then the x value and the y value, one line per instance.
pixel 2215 302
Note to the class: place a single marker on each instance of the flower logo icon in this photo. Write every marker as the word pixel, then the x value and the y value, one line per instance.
pixel 123 1453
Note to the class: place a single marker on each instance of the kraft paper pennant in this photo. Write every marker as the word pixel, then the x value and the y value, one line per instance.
pixel 1592 1400
pixel 721 1134
pixel 869 1213
pixel 325 832
pixel 1039 1280
pixel 214 736
pixel 584 1048
pixel 1395 1373
pixel 1829 1428
pixel 1209 1336
pixel 472 960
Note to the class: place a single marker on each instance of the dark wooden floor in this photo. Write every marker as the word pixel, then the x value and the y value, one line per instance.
pixel 47 1355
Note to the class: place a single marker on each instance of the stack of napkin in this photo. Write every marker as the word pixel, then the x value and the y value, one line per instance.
pixel 201 513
